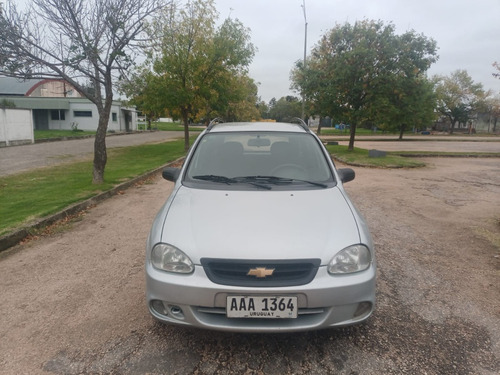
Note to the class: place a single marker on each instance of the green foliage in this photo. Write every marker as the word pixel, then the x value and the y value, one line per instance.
pixel 263 109
pixel 459 98
pixel 239 103
pixel 493 108
pixel 198 70
pixel 411 104
pixel 364 72
pixel 285 109
pixel 51 134
pixel 359 157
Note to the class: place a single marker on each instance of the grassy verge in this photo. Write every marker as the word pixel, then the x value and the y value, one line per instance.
pixel 360 157
pixel 47 134
pixel 41 192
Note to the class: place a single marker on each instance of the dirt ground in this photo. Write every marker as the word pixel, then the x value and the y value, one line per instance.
pixel 73 302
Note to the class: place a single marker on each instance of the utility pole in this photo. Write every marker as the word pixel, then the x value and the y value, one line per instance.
pixel 305 52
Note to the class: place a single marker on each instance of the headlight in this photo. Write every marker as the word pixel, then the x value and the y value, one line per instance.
pixel 352 259
pixel 169 258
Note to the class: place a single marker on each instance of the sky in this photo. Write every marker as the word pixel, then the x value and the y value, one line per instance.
pixel 467 33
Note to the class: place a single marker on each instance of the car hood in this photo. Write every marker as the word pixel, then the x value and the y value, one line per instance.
pixel 260 224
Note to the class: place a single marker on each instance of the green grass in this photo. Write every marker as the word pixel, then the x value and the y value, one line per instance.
pixel 44 191
pixel 360 157
pixel 47 134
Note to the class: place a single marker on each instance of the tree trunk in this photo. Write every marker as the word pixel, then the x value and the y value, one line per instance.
pixel 184 115
pixel 402 130
pixel 351 138
pixel 319 126
pixel 452 126
pixel 100 153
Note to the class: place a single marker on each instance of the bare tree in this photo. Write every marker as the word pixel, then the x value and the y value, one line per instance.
pixel 81 41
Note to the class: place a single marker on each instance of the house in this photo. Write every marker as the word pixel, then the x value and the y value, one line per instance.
pixel 56 104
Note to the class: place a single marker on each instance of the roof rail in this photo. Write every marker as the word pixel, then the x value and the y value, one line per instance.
pixel 214 122
pixel 298 120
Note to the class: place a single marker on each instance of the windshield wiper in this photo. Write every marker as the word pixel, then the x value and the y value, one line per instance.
pixel 279 180
pixel 229 181
pixel 215 178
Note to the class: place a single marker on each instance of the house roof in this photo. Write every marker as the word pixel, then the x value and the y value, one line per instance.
pixel 16 86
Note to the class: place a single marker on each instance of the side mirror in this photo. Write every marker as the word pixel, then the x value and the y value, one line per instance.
pixel 171 174
pixel 346 174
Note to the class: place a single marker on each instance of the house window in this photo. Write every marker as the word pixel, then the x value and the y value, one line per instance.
pixel 114 116
pixel 57 114
pixel 82 113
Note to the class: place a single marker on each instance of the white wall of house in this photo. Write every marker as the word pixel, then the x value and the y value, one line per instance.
pixel 83 115
pixel 68 113
pixel 16 127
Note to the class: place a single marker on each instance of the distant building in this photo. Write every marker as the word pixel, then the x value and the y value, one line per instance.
pixel 56 104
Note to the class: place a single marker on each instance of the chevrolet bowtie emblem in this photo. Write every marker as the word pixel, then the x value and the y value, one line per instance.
pixel 260 272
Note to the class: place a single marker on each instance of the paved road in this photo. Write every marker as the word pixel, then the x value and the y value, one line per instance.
pixel 21 158
pixel 424 143
pixel 434 146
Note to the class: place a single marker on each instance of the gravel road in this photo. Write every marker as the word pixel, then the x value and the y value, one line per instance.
pixel 73 302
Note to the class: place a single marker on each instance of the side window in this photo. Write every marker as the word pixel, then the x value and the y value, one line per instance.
pixel 57 114
pixel 82 113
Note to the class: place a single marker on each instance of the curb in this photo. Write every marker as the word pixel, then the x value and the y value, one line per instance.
pixel 9 240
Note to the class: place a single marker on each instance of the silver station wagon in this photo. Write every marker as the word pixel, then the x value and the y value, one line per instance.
pixel 258 235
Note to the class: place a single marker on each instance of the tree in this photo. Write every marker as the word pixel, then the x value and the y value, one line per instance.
pixel 355 68
pixel 458 97
pixel 263 109
pixel 136 87
pixel 285 109
pixel 241 103
pixel 196 64
pixel 410 104
pixel 493 109
pixel 80 41
pixel 496 65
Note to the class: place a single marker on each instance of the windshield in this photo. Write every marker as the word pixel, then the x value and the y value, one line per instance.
pixel 259 160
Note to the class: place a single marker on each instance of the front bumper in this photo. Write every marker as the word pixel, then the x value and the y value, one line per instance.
pixel 327 301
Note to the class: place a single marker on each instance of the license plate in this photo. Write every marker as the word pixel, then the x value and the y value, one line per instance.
pixel 269 307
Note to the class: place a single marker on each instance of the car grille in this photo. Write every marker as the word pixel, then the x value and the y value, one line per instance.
pixel 284 272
